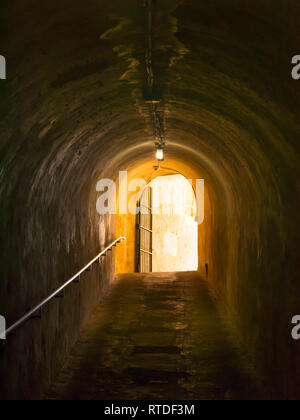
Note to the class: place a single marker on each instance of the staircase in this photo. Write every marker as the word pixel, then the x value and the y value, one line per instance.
pixel 157 336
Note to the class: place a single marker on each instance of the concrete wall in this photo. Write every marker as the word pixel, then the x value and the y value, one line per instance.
pixel 175 230
pixel 50 230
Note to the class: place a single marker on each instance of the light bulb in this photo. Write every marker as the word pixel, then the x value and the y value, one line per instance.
pixel 160 154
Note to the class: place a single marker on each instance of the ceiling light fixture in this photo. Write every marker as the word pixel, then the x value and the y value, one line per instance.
pixel 160 154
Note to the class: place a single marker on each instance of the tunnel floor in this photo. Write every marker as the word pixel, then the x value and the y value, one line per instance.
pixel 156 336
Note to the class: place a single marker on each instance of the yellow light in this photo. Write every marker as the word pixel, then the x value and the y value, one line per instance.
pixel 160 154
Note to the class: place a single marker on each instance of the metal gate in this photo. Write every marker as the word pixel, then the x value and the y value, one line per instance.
pixel 144 233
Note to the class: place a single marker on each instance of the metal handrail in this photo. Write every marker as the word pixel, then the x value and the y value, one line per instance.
pixel 29 314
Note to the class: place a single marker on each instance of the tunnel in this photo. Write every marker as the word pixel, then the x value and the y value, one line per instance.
pixel 93 89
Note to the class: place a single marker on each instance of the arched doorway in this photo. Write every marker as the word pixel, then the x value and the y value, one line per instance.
pixel 166 228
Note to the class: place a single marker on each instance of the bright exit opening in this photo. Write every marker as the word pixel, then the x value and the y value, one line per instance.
pixel 167 231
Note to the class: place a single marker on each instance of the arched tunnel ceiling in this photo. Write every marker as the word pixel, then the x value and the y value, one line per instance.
pixel 78 77
pixel 74 106
pixel 73 109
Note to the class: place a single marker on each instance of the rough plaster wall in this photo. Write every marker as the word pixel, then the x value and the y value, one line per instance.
pixel 126 225
pixel 48 220
pixel 175 231
pixel 72 111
